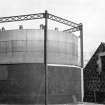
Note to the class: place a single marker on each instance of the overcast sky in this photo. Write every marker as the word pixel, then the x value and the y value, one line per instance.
pixel 89 12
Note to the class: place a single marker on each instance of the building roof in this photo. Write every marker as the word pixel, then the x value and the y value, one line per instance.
pixel 94 57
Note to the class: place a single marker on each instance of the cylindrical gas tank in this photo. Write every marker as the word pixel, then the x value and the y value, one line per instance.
pixel 22 69
pixel 24 46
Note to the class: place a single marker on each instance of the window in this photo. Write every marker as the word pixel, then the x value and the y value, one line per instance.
pixel 103 63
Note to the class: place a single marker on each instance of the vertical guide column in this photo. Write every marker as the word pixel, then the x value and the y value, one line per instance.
pixel 82 59
pixel 81 44
pixel 45 58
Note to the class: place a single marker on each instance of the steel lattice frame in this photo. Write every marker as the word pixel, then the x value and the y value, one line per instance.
pixel 75 26
pixel 21 18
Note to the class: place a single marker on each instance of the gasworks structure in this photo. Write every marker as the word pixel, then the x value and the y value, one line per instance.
pixel 35 64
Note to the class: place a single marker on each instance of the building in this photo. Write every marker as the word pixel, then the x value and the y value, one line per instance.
pixel 94 77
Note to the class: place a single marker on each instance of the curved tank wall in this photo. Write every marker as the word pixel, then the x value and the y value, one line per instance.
pixel 17 46
pixel 22 76
pixel 25 84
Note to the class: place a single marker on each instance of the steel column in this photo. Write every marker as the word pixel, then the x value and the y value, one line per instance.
pixel 81 45
pixel 45 58
pixel 81 58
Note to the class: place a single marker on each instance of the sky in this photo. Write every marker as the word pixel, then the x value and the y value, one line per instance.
pixel 91 13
